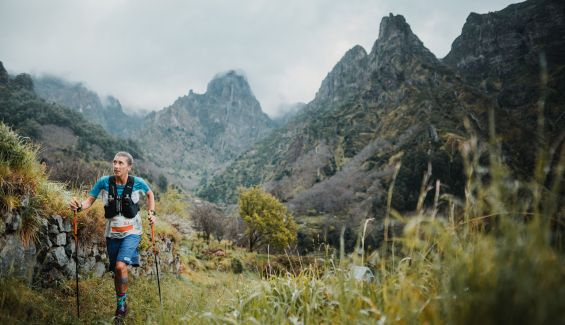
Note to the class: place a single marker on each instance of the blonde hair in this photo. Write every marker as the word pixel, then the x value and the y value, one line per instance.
pixel 126 155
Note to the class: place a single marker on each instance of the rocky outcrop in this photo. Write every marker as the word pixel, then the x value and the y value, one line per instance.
pixel 15 258
pixel 347 77
pixel 200 133
pixel 517 57
pixel 51 258
pixel 504 44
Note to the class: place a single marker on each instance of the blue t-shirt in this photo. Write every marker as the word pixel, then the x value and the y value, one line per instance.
pixel 120 226
pixel 103 183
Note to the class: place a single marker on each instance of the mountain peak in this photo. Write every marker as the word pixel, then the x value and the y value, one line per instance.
pixel 397 45
pixel 392 25
pixel 395 31
pixel 349 73
pixel 229 84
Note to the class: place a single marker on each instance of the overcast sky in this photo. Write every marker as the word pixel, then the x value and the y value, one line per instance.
pixel 148 52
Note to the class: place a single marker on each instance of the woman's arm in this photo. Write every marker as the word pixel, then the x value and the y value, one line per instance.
pixel 75 205
pixel 151 207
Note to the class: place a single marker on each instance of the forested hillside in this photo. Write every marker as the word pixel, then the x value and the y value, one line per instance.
pixel 105 111
pixel 73 148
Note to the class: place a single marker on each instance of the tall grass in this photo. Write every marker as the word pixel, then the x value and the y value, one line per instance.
pixel 487 260
pixel 491 258
pixel 188 299
pixel 24 185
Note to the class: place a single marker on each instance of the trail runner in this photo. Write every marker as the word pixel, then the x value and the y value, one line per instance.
pixel 120 194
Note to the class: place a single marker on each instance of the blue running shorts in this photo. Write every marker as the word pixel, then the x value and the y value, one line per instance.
pixel 123 250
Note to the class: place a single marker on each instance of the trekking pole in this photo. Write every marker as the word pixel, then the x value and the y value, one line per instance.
pixel 75 224
pixel 156 261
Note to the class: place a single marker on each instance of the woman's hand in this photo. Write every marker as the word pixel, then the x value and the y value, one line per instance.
pixel 75 205
pixel 151 217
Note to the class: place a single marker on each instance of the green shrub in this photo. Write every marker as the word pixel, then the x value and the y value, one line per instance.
pixel 236 266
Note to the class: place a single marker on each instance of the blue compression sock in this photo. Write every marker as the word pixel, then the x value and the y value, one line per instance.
pixel 121 299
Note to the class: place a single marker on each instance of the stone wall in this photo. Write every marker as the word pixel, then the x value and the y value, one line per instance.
pixel 50 259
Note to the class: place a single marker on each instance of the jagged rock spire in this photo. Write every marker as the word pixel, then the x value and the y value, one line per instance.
pixel 396 39
pixel 347 74
pixel 229 85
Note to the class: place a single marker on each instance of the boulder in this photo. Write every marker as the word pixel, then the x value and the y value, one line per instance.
pixel 83 251
pixel 99 269
pixel 70 268
pixel 61 239
pixel 53 229
pixel 88 264
pixel 13 223
pixel 15 258
pixel 57 221
pixel 11 254
pixel 58 257
pixel 43 240
pixel 67 225
pixel 70 248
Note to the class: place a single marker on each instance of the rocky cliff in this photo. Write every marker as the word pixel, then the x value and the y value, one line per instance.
pixel 392 96
pixel 400 103
pixel 499 47
pixel 516 56
pixel 200 133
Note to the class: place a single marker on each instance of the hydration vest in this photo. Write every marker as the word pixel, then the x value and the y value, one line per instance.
pixel 120 204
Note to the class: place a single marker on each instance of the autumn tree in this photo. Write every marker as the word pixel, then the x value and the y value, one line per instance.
pixel 267 220
pixel 208 220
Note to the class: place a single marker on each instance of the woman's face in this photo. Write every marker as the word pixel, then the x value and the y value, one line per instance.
pixel 120 166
